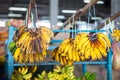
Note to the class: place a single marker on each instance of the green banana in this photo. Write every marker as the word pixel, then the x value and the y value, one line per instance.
pixel 13 51
pixel 93 76
pixel 11 46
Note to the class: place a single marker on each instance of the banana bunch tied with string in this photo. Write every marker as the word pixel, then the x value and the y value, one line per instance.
pixel 32 44
pixel 24 73
pixel 116 35
pixel 66 53
pixel 85 46
pixel 92 46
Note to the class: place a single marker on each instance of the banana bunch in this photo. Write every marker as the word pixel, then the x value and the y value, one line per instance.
pixel 59 73
pixel 85 46
pixel 116 35
pixel 24 73
pixel 87 76
pixel 30 45
pixel 92 46
pixel 21 74
pixel 32 41
pixel 66 53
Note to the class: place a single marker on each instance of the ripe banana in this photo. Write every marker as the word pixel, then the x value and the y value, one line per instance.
pixel 27 76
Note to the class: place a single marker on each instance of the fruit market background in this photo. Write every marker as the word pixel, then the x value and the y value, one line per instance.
pixel 52 14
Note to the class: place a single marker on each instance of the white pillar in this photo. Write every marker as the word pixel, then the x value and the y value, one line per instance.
pixel 115 7
pixel 53 12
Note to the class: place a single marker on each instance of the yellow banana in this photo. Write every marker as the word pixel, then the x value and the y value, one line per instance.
pixel 31 58
pixel 87 51
pixel 34 69
pixel 92 53
pixel 61 61
pixel 19 69
pixel 101 49
pixel 81 43
pixel 25 71
pixel 17 52
pixel 97 51
pixel 106 38
pixel 36 57
pixel 66 49
pixel 44 52
pixel 20 60
pixel 82 58
pixel 83 47
pixel 70 53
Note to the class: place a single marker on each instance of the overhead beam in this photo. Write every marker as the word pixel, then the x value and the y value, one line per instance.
pixel 113 17
pixel 80 12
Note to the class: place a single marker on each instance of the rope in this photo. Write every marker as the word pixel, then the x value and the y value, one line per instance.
pixel 95 19
pixel 89 14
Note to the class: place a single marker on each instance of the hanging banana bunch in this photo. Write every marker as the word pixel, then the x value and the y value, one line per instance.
pixel 85 46
pixel 30 46
pixel 116 35
pixel 92 46
pixel 66 53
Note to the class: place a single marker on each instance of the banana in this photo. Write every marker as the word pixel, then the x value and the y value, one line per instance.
pixel 17 52
pixel 57 57
pixel 97 51
pixel 61 60
pixel 19 70
pixel 36 57
pixel 63 45
pixel 70 57
pixel 84 47
pixel 77 55
pixel 74 54
pixel 87 51
pixel 70 62
pixel 81 43
pixel 31 58
pixel 92 53
pixel 33 69
pixel 46 36
pixel 27 76
pixel 105 38
pixel 47 30
pixel 101 49
pixel 40 77
pixel 26 58
pixel 54 52
pixel 20 60
pixel 44 52
pixel 24 71
pixel 40 57
pixel 11 46
pixel 66 49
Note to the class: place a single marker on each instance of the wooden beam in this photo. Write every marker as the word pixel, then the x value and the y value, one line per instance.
pixel 80 12
pixel 113 17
